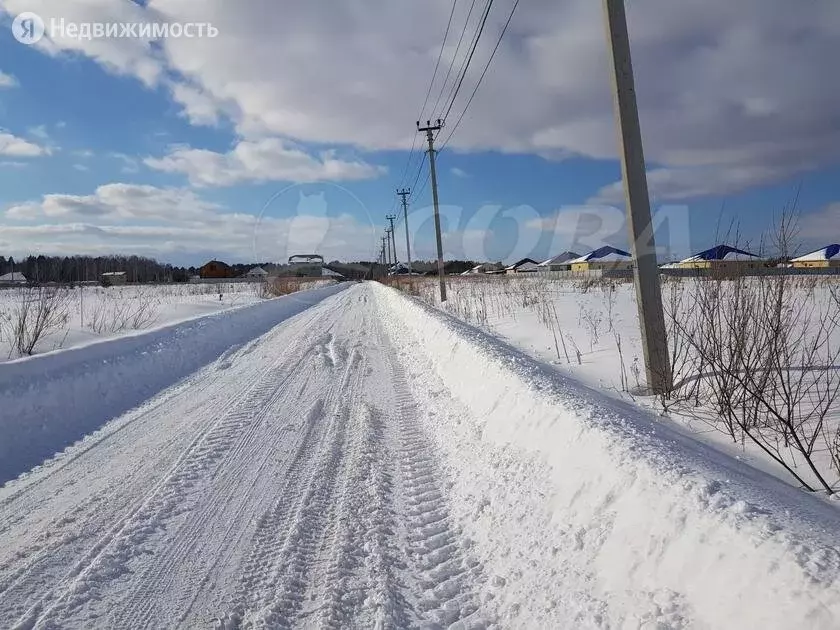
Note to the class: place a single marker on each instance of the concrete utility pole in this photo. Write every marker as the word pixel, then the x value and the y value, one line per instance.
pixel 404 193
pixel 430 129
pixel 385 254
pixel 388 245
pixel 648 292
pixel 391 218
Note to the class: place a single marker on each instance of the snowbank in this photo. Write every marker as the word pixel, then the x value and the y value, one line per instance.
pixel 47 402
pixel 635 524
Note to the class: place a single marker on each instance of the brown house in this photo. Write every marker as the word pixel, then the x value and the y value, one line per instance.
pixel 216 269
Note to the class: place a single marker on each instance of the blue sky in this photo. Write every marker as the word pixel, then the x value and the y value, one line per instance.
pixel 247 147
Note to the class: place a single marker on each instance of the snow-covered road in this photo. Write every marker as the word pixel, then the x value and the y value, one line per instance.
pixel 288 484
pixel 367 464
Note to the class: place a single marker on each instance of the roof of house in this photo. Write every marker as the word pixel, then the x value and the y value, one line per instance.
pixel 15 276
pixel 216 262
pixel 824 253
pixel 519 263
pixel 607 253
pixel 720 252
pixel 258 271
pixel 560 259
pixel 114 273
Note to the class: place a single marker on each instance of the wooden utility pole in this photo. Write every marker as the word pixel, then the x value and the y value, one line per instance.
pixel 404 193
pixel 430 129
pixel 648 292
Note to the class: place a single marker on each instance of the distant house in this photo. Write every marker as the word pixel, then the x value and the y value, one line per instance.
pixel 14 278
pixel 722 258
pixel 526 265
pixel 604 258
pixel 216 269
pixel 111 278
pixel 257 273
pixel 828 256
pixel 484 268
pixel 561 262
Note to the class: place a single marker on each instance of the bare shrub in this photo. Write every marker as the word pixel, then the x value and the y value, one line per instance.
pixel 114 312
pixel 38 312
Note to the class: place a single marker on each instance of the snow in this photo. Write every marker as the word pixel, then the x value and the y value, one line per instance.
pixel 598 339
pixel 350 457
pixel 824 253
pixel 591 513
pixel 52 400
pixel 721 252
pixel 94 313
pixel 604 254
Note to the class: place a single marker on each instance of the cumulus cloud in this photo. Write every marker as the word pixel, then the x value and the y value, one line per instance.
pixel 18 147
pixel 176 222
pixel 7 80
pixel 270 159
pixel 722 85
pixel 821 227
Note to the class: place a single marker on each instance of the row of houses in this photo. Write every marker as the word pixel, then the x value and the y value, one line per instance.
pixel 721 258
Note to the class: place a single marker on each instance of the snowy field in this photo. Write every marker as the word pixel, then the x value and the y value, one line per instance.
pixel 756 362
pixel 81 315
pixel 350 457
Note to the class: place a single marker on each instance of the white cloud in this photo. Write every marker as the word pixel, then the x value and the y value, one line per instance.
pixel 39 132
pixel 821 227
pixel 457 172
pixel 83 153
pixel 199 108
pixel 129 164
pixel 7 80
pixel 18 147
pixel 169 222
pixel 721 84
pixel 270 159
pixel 81 167
pixel 13 164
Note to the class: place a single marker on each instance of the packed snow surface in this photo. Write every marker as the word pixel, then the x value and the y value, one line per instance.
pixel 357 459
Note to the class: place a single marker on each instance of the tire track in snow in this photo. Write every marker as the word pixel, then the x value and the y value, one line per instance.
pixel 283 563
pixel 68 536
pixel 360 587
pixel 230 488
pixel 108 558
pixel 442 576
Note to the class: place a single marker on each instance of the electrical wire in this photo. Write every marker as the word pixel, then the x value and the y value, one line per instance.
pixel 454 58
pixel 469 58
pixel 483 73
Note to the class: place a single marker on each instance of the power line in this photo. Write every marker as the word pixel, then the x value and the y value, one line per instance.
pixel 454 58
pixel 481 78
pixel 419 170
pixel 437 64
pixel 428 92
pixel 466 66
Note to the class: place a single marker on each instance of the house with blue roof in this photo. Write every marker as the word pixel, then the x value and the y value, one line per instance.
pixel 604 258
pixel 824 257
pixel 723 258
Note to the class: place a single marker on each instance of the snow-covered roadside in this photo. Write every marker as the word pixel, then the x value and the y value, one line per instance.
pixel 49 401
pixel 637 525
pixel 95 313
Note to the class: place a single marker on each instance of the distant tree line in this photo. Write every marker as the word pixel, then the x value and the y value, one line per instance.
pixel 69 269
pixel 140 269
